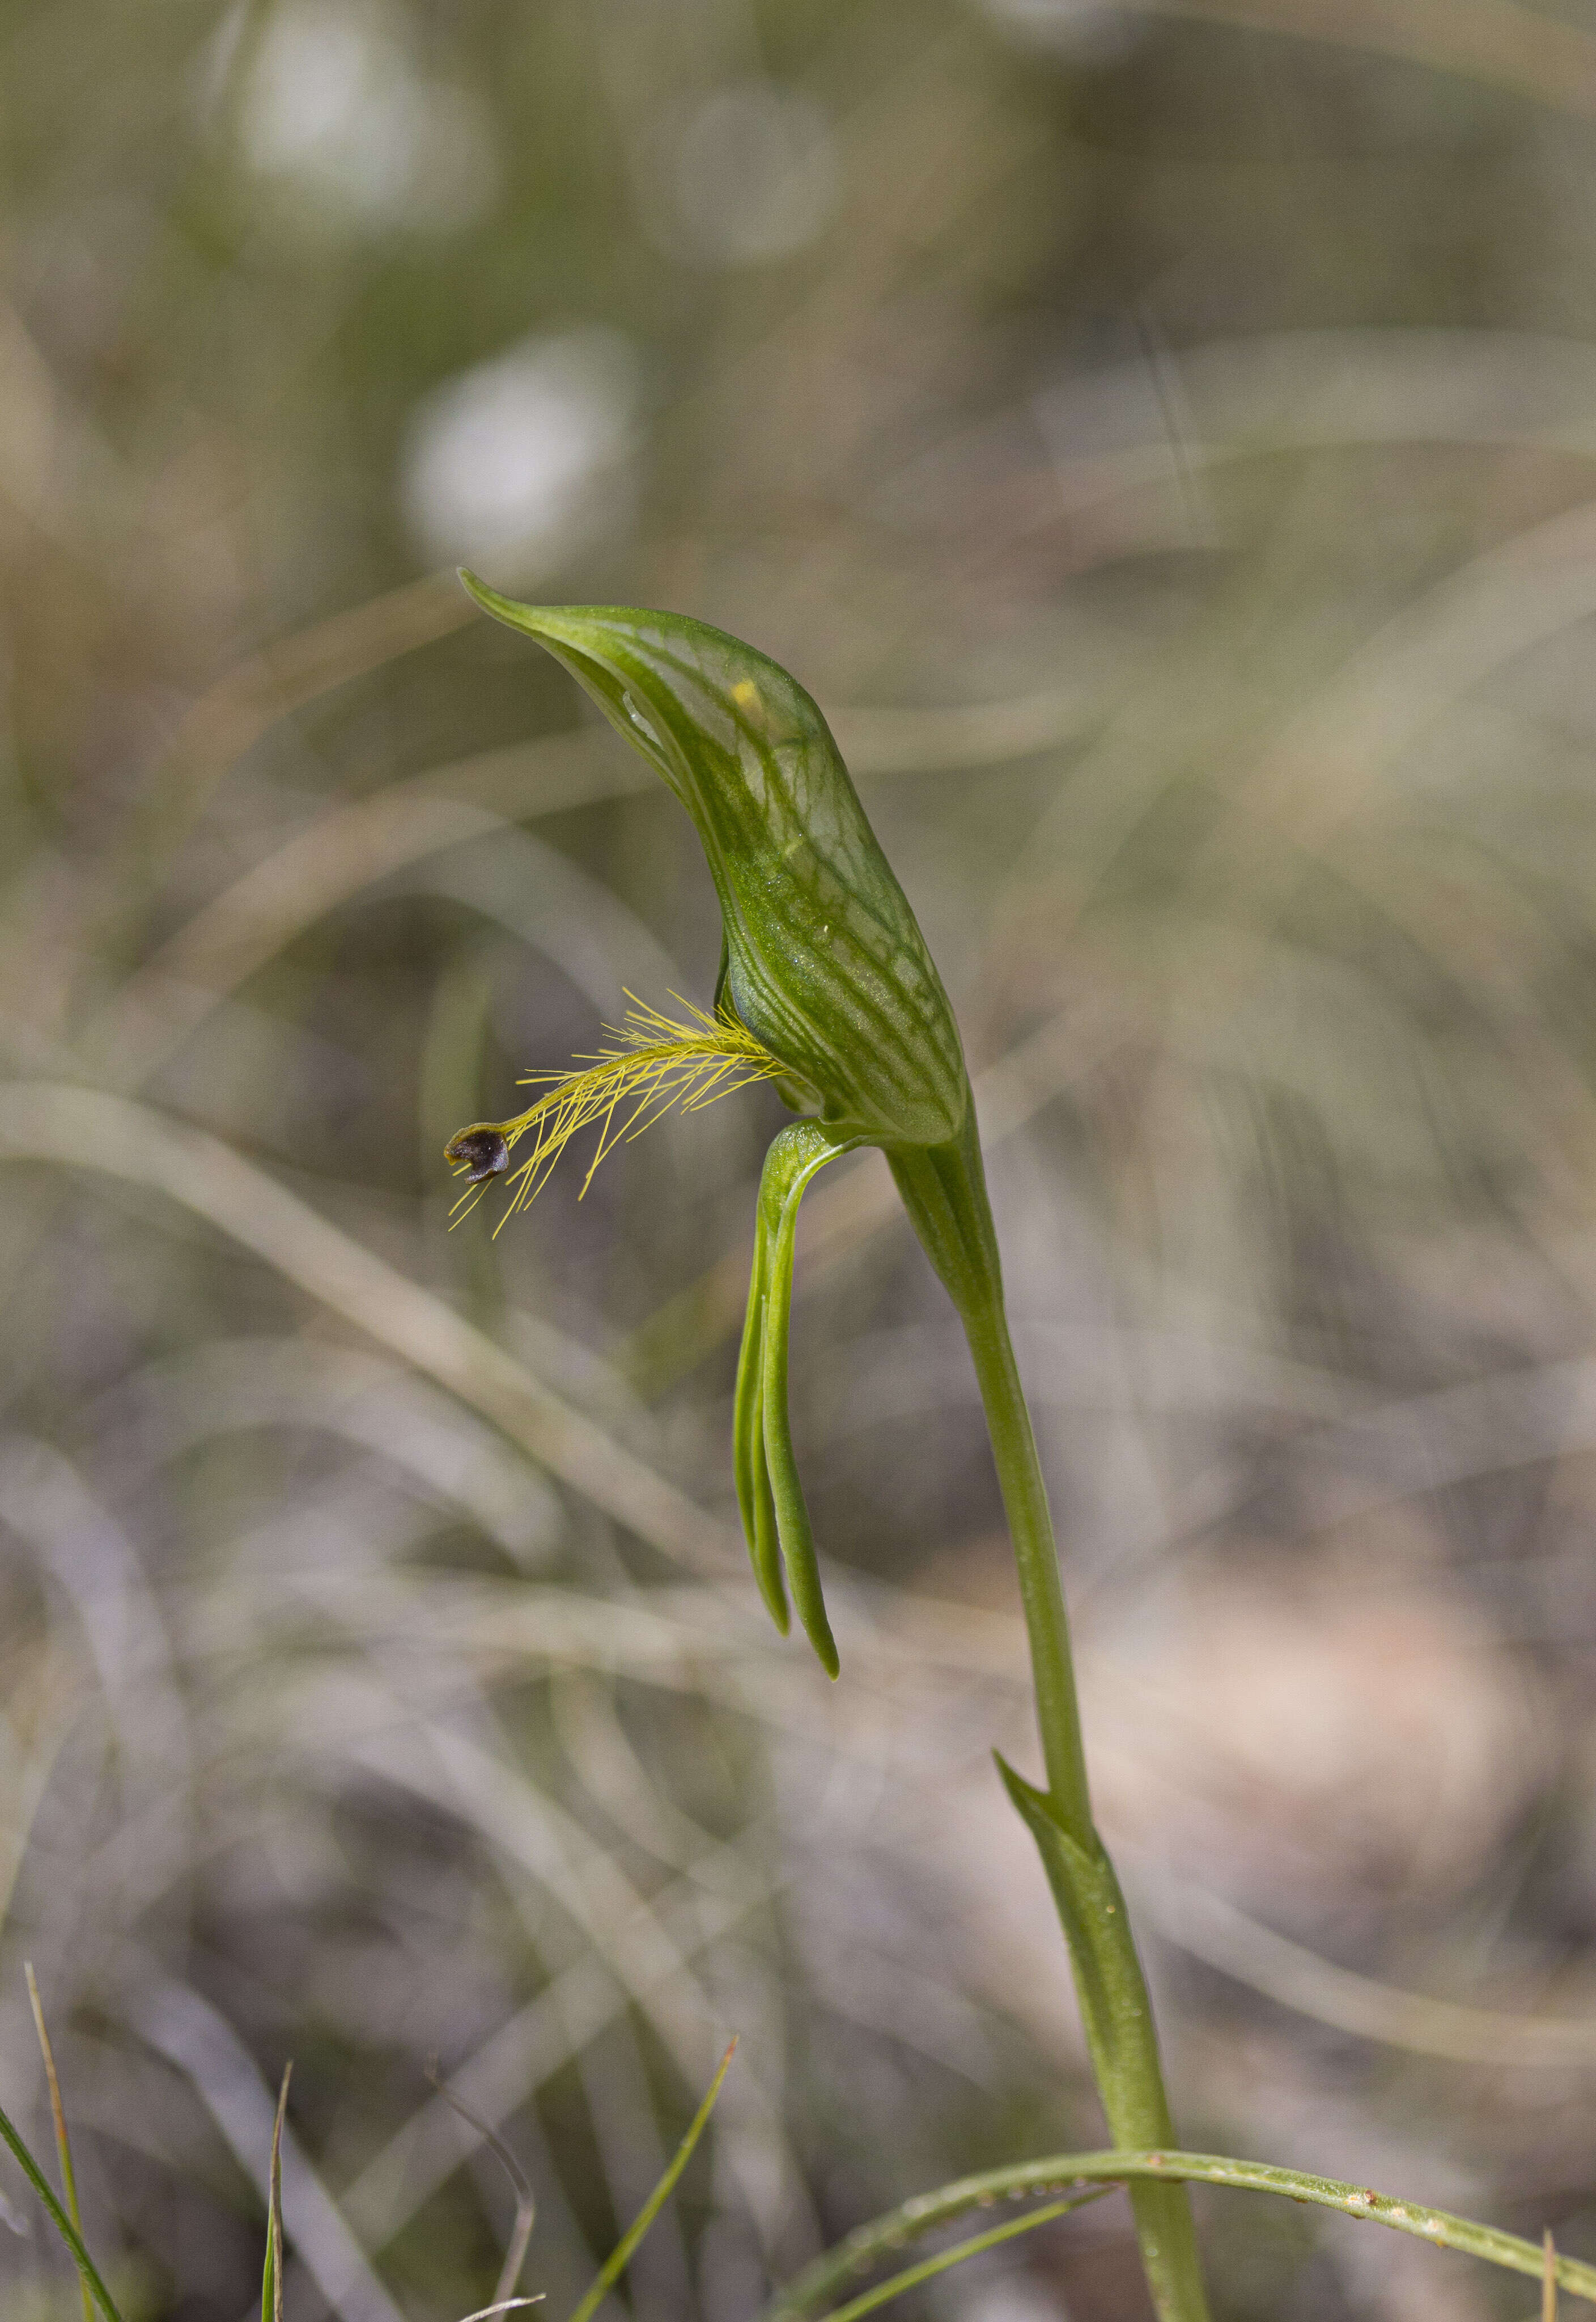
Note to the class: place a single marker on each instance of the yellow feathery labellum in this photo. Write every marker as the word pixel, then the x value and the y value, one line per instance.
pixel 660 1065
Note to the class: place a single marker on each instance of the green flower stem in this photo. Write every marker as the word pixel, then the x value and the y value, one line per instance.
pixel 1042 1594
pixel 1114 2008
pixel 943 1189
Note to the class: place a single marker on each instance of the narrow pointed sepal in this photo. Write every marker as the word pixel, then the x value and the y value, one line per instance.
pixel 748 1438
pixel 775 1514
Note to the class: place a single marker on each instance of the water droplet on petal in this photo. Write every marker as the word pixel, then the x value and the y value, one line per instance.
pixel 640 721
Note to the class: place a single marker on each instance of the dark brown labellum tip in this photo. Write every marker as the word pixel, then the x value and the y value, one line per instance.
pixel 482 1149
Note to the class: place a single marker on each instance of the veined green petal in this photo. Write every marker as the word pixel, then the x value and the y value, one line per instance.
pixel 775 1517
pixel 826 963
pixel 793 1159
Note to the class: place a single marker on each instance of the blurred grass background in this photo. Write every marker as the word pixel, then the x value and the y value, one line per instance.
pixel 1163 438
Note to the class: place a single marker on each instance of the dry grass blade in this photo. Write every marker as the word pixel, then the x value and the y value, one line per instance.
pixel 521 2231
pixel 1549 2280
pixel 59 2115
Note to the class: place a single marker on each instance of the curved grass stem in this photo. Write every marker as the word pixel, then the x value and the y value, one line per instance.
pixel 1063 2173
pixel 912 2276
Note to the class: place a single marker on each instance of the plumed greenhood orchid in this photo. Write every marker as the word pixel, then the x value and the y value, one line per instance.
pixel 825 987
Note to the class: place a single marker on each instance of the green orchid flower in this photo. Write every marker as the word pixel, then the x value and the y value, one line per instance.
pixel 825 986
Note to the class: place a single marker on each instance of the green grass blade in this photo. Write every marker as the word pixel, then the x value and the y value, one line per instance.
pixel 615 2263
pixel 913 2275
pixel 59 2220
pixel 63 2143
pixel 1067 2172
pixel 271 2276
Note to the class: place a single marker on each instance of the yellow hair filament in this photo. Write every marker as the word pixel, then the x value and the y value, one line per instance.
pixel 658 1064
